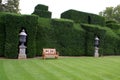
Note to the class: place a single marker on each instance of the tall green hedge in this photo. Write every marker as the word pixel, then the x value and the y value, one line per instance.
pixel 71 40
pixel 83 17
pixel 30 23
pixel 44 14
pixel 116 28
pixel 62 34
pixel 2 34
pixel 44 37
pixel 13 25
pixel 1 39
pixel 69 37
pixel 42 11
pixel 109 40
pixel 113 25
pixel 96 19
pixel 91 32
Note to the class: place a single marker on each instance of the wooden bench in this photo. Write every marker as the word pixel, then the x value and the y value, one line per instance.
pixel 49 52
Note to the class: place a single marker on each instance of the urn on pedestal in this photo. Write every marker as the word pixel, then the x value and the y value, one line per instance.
pixel 22 47
pixel 96 54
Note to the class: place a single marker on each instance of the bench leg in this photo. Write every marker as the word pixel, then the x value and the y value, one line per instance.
pixel 56 57
pixel 43 57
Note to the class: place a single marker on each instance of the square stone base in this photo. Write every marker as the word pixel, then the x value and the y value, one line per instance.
pixel 22 56
pixel 96 54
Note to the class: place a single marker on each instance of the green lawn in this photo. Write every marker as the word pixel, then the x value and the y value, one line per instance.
pixel 64 68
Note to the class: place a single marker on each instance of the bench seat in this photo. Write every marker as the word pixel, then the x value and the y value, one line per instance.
pixel 49 53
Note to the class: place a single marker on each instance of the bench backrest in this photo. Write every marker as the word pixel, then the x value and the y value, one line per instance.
pixel 49 51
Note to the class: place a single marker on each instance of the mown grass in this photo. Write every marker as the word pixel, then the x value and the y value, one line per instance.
pixel 64 68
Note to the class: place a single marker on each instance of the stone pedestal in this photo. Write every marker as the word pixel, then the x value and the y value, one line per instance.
pixel 96 54
pixel 22 50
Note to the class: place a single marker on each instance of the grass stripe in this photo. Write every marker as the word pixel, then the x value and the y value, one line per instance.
pixel 91 67
pixel 58 73
pixel 69 71
pixel 15 72
pixel 83 70
pixel 37 71
pixel 2 72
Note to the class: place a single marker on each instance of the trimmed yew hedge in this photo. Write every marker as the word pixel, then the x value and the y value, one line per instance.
pixel 109 40
pixel 69 37
pixel 42 11
pixel 113 25
pixel 91 32
pixel 62 34
pixel 41 7
pixel 44 37
pixel 2 34
pixel 13 25
pixel 2 39
pixel 83 17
